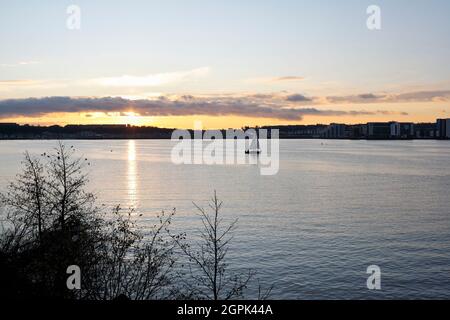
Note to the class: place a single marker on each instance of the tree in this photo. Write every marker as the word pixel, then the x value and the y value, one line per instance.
pixel 131 265
pixel 52 223
pixel 65 187
pixel 26 200
pixel 208 259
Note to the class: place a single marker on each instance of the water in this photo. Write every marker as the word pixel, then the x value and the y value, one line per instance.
pixel 334 208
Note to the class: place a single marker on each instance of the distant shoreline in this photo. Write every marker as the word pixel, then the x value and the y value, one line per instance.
pixel 335 131
pixel 284 138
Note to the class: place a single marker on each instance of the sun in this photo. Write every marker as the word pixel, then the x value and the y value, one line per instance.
pixel 133 118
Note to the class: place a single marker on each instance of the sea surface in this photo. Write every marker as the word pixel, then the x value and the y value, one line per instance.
pixel 334 209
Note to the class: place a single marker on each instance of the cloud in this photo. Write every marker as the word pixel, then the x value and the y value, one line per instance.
pixel 184 106
pixel 287 78
pixel 151 80
pixel 262 96
pixel 18 64
pixel 368 96
pixel 360 98
pixel 18 83
pixel 124 83
pixel 298 98
pixel 387 112
pixel 420 96
pixel 417 96
pixel 272 80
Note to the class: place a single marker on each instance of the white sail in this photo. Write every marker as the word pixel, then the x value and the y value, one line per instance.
pixel 254 145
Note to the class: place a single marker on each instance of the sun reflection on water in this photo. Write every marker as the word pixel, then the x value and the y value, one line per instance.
pixel 132 174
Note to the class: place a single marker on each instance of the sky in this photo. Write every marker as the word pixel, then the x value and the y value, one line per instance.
pixel 226 63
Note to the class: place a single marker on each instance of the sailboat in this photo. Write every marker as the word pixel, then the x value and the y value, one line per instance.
pixel 254 146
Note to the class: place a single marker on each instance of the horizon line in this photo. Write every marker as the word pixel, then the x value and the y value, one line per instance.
pixel 129 125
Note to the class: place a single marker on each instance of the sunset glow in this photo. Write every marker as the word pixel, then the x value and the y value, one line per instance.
pixel 250 72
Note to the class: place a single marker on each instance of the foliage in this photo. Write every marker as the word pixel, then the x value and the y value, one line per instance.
pixel 53 223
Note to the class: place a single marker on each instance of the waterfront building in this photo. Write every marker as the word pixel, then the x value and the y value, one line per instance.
pixel 335 131
pixel 443 128
pixel 402 130
pixel 425 131
pixel 378 130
